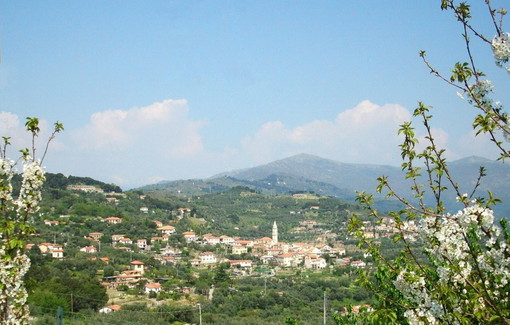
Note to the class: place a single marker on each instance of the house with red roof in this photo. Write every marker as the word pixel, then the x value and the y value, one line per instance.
pixel 167 230
pixel 138 266
pixel 113 220
pixel 152 287
pixel 207 258
pixel 190 236
pixel 95 235
pixel 88 250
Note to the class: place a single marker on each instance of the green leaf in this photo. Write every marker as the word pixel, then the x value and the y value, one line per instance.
pixel 32 125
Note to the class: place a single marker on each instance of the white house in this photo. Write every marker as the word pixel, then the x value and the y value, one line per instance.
pixel 171 251
pixel 125 241
pixel 141 243
pixel 116 238
pixel 339 251
pixel 358 264
pixel 57 253
pixel 207 258
pixel 167 230
pixel 167 259
pixel 325 249
pixel 195 262
pixel 138 266
pixel 242 264
pixel 190 236
pixel 247 243
pixel 211 240
pixel 266 259
pixel 95 235
pixel 88 249
pixel 227 240
pixel 315 263
pixel 286 259
pixel 113 220
pixel 152 287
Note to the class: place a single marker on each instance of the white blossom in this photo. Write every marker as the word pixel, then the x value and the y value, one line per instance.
pixel 13 295
pixel 13 262
pixel 449 239
pixel 501 50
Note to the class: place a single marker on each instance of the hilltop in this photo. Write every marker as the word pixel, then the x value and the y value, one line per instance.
pixel 306 173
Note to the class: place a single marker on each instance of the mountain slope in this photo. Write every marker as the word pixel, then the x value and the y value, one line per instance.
pixel 308 173
pixel 351 177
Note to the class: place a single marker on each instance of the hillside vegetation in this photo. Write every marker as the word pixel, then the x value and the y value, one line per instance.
pixel 312 174
pixel 78 281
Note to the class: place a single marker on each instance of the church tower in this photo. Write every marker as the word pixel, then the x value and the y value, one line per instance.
pixel 275 233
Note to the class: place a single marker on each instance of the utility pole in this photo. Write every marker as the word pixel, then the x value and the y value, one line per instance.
pixel 265 285
pixel 199 314
pixel 324 308
pixel 60 315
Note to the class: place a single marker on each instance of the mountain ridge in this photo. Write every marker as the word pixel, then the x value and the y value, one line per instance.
pixel 309 173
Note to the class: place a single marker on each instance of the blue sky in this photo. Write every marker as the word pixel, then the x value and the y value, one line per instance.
pixel 162 90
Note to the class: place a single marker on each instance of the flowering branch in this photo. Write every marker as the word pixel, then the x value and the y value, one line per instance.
pixel 14 227
pixel 465 278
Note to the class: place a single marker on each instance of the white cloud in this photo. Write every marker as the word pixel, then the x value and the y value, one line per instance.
pixel 366 133
pixel 143 145
pixel 135 146
pixel 162 125
pixel 10 127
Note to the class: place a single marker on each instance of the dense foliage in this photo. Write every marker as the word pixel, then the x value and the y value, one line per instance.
pixel 74 282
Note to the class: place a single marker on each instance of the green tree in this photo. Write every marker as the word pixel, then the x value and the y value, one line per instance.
pixel 221 275
pixel 47 300
pixel 291 321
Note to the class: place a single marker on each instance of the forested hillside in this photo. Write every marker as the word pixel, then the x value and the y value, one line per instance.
pixel 75 256
pixel 312 174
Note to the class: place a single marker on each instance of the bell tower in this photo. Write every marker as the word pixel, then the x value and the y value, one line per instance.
pixel 275 233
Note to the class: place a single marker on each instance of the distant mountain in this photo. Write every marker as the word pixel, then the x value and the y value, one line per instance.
pixel 350 177
pixel 308 173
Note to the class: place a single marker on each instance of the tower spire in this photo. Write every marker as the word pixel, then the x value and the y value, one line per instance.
pixel 275 233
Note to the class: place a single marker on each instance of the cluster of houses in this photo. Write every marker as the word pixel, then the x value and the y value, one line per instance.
pixel 55 250
pixel 262 251
pixel 265 253
pixel 388 227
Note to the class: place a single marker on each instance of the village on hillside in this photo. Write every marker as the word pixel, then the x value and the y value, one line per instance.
pixel 267 256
